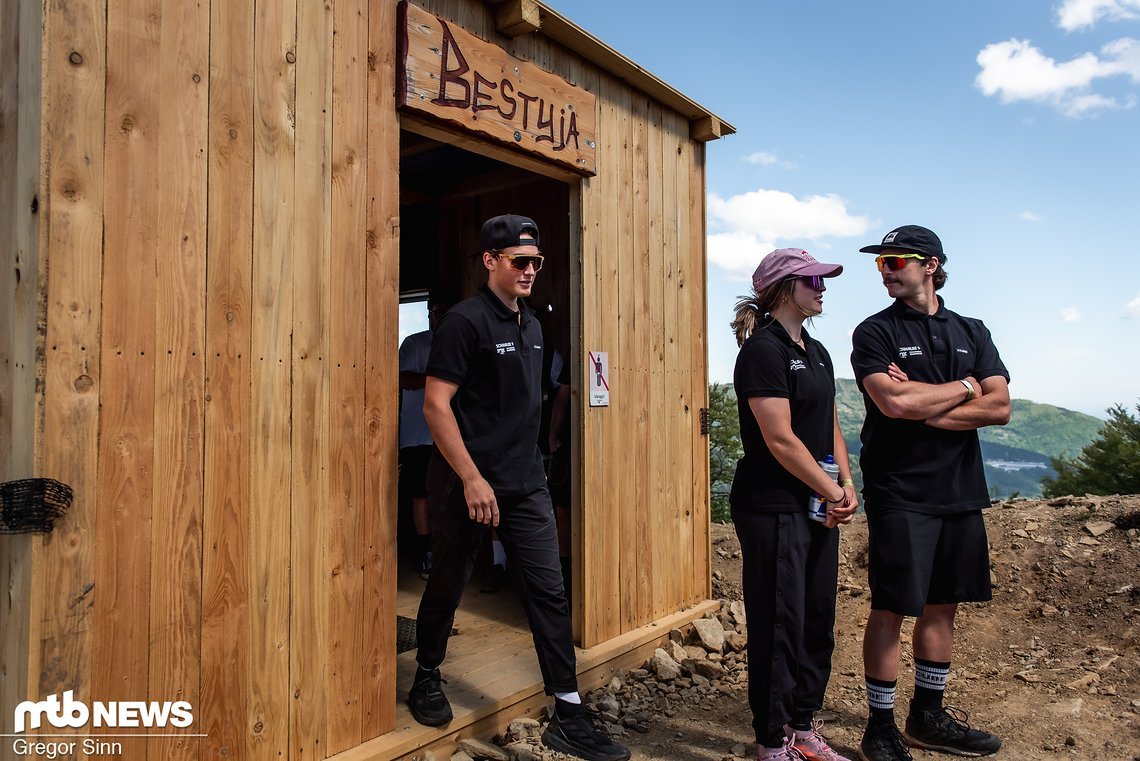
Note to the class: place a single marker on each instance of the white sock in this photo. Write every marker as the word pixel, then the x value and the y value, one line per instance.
pixel 569 697
pixel 499 553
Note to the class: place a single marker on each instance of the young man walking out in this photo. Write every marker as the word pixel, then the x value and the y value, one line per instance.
pixel 483 404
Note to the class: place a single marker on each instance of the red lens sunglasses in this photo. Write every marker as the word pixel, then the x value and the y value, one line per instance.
pixel 895 262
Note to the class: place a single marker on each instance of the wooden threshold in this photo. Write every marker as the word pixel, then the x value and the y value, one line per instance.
pixel 492 673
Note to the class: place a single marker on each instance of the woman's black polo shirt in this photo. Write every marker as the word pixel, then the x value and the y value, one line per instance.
pixel 481 345
pixel 908 465
pixel 771 364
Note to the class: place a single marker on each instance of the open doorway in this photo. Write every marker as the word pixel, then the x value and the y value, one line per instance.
pixel 445 194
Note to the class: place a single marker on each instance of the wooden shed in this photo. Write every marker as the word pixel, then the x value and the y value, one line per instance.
pixel 209 213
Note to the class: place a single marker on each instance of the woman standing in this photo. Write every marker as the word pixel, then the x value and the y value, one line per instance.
pixel 785 389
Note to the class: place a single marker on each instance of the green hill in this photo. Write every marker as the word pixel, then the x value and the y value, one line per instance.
pixel 1017 455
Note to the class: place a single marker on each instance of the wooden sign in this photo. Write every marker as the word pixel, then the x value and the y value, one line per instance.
pixel 451 75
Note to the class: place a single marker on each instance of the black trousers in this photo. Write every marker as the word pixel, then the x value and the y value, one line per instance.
pixel 791 566
pixel 527 531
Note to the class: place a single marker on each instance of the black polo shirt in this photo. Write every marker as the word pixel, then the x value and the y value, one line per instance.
pixel 906 464
pixel 481 345
pixel 771 364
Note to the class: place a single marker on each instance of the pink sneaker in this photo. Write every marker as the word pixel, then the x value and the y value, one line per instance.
pixel 811 745
pixel 787 752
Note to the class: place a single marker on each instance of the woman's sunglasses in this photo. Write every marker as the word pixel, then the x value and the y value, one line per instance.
pixel 522 261
pixel 815 282
pixel 896 262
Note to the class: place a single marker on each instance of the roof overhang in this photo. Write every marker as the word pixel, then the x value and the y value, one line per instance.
pixel 517 17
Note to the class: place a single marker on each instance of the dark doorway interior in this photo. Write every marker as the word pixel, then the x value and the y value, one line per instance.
pixel 445 194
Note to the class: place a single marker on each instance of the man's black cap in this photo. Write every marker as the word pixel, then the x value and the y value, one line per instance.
pixel 910 238
pixel 504 231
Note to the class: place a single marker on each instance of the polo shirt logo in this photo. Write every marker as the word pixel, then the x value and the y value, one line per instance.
pixel 909 351
pixel 962 351
pixel 797 364
pixel 505 348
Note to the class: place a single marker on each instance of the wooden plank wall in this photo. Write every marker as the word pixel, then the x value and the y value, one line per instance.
pixel 218 224
pixel 20 341
pixel 644 495
pixel 219 379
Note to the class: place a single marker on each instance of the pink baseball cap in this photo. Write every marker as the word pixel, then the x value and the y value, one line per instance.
pixel 786 262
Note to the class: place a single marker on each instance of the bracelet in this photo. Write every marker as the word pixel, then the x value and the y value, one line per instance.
pixel 970 391
pixel 836 501
pixel 847 482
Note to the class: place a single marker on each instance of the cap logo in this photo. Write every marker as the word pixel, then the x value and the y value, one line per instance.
pixel 890 237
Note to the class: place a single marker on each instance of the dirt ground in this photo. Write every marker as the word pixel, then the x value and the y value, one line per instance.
pixel 1052 664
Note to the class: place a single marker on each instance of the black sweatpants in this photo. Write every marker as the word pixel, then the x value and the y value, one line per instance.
pixel 527 531
pixel 791 566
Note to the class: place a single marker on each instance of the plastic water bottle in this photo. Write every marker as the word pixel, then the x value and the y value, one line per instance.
pixel 817 505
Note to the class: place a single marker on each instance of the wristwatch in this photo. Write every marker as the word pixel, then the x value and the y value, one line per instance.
pixel 971 392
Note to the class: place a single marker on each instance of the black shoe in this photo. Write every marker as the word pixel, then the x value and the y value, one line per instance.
pixel 426 567
pixel 426 700
pixel 946 729
pixel 883 742
pixel 496 580
pixel 572 731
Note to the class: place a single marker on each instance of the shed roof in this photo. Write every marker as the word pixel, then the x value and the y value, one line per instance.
pixel 515 17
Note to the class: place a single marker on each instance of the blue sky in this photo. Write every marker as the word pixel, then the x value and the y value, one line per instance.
pixel 1012 129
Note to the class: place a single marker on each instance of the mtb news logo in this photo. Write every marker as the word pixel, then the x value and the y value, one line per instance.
pixel 71 713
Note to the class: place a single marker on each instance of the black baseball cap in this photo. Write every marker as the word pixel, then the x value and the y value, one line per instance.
pixel 505 231
pixel 910 238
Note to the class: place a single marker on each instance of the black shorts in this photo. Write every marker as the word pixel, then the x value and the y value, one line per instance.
pixel 413 470
pixel 917 560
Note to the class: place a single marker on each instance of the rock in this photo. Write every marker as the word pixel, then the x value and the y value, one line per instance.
pixel 521 729
pixel 677 652
pixel 1088 541
pixel 709 670
pixel 664 666
pixel 1020 532
pixel 461 756
pixel 1098 528
pixel 736 642
pixel 696 652
pixel 738 750
pixel 676 635
pixel 1083 683
pixel 1029 677
pixel 521 751
pixel 711 634
pixel 477 749
pixel 1031 526
pixel 1061 502
pixel 614 686
pixel 1047 611
pixel 608 704
pixel 736 610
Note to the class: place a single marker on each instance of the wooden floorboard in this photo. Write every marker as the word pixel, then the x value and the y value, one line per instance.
pixel 491 670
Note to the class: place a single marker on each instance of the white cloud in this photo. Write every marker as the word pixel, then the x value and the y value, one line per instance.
pixel 752 224
pixel 1029 216
pixel 1132 308
pixel 1071 314
pixel 1015 70
pixel 767 158
pixel 1078 14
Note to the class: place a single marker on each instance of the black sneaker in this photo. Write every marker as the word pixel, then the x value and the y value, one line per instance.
pixel 572 731
pixel 426 567
pixel 883 742
pixel 946 729
pixel 426 700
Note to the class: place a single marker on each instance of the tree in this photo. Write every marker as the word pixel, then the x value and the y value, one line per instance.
pixel 725 448
pixel 1110 464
